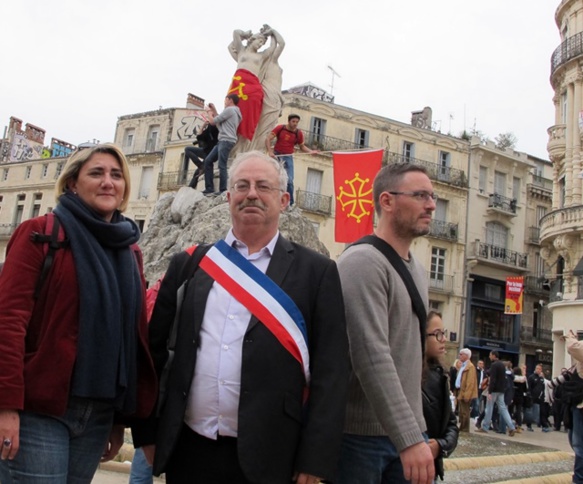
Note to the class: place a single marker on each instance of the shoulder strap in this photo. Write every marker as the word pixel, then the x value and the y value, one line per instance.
pixel 54 238
pixel 398 264
pixel 278 129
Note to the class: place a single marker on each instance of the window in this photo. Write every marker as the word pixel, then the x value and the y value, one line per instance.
pixel 59 169
pixel 316 226
pixel 435 305
pixel 312 198
pixel 444 162
pixel 562 192
pixel 441 210
pixel 146 181
pixel 496 234
pixel 27 172
pixel 541 211
pixel 152 139
pixel 492 324
pixel 35 212
pixel 317 130
pixel 408 151
pixel 437 273
pixel 5 174
pixel 483 179
pixel 140 224
pixel 539 265
pixel 516 188
pixel 128 137
pixel 564 107
pixel 500 183
pixel 45 170
pixel 361 138
pixel 19 209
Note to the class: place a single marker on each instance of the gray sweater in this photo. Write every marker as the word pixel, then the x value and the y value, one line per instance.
pixel 384 394
pixel 228 122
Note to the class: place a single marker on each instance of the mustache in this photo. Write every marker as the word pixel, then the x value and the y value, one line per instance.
pixel 251 203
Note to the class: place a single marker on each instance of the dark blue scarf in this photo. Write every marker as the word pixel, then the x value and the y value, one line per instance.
pixel 110 302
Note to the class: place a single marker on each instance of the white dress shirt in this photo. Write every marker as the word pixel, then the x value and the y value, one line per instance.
pixel 213 400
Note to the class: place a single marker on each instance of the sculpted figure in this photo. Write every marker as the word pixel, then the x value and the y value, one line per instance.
pixel 257 82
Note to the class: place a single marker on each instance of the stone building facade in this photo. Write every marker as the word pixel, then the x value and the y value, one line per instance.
pixel 562 228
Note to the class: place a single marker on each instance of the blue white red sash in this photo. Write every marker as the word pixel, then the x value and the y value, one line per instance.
pixel 262 297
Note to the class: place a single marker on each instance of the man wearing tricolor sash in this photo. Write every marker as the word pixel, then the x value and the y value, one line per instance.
pixel 257 386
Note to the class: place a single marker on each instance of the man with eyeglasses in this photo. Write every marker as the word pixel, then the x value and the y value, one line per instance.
pixel 384 429
pixel 466 388
pixel 257 387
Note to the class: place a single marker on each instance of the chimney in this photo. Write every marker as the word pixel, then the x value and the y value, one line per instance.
pixel 422 119
pixel 194 102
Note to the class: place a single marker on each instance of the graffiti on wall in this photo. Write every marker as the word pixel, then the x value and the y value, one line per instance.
pixel 24 149
pixel 189 123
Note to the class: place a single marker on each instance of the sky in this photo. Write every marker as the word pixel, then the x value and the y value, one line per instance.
pixel 72 67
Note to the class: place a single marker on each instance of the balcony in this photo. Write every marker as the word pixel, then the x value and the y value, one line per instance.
pixel 500 203
pixel 6 230
pixel 569 49
pixel 528 334
pixel 537 285
pixel 172 180
pixel 328 143
pixel 499 255
pixel 443 230
pixel 564 220
pixel 534 235
pixel 541 182
pixel 557 142
pixel 435 171
pixel 440 282
pixel 314 202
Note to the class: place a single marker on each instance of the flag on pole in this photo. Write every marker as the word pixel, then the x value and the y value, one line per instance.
pixel 354 173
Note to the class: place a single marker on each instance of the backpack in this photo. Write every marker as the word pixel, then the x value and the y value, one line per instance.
pixel 53 239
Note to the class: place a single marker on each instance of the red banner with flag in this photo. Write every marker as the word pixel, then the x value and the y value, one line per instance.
pixel 354 173
pixel 246 85
pixel 514 295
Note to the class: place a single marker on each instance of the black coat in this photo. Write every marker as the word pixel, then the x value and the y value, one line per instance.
pixel 497 376
pixel 277 435
pixel 536 385
pixel 441 421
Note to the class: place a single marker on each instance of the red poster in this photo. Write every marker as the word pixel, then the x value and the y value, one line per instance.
pixel 514 295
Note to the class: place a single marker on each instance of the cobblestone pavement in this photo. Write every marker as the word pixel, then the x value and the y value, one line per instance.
pixel 528 458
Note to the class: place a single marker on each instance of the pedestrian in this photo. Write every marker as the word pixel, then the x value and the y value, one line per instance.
pixel 520 392
pixel 496 389
pixel 442 427
pixel 206 141
pixel 384 437
pixel 536 386
pixel 256 388
pixel 287 136
pixel 75 363
pixel 466 388
pixel 227 123
pixel 480 375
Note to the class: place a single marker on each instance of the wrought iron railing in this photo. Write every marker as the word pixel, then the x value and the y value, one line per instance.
pixel 314 202
pixel 502 255
pixel 529 334
pixel 569 49
pixel 440 282
pixel 556 291
pixel 328 143
pixel 501 202
pixel 435 171
pixel 534 235
pixel 443 230
pixel 537 284
pixel 172 180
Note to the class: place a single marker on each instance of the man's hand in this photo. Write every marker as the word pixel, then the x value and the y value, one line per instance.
pixel 435 448
pixel 418 466
pixel 307 479
pixel 114 443
pixel 9 434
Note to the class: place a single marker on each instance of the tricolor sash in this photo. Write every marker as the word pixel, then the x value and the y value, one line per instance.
pixel 262 297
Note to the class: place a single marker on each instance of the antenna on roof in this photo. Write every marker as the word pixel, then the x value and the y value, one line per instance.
pixel 334 74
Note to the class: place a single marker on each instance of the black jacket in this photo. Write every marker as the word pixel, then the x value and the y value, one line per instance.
pixel 440 420
pixel 497 376
pixel 536 384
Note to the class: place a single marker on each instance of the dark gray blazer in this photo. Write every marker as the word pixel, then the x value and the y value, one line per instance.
pixel 277 434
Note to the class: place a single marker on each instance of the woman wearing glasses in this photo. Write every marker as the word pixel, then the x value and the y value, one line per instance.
pixel 441 422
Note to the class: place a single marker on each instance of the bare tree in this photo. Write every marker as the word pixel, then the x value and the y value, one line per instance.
pixel 506 140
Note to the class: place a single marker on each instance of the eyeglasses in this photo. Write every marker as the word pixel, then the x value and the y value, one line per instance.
pixel 438 334
pixel 261 187
pixel 420 196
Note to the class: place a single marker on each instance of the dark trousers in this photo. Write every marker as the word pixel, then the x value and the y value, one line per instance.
pixel 198 460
